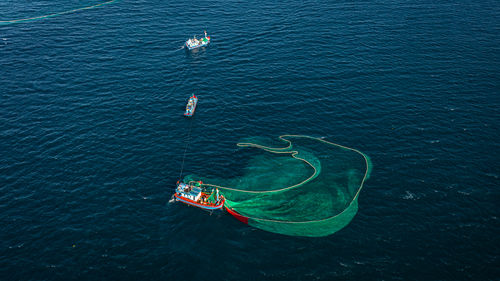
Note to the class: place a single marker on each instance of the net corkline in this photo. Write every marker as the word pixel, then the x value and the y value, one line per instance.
pixel 294 154
pixel 56 14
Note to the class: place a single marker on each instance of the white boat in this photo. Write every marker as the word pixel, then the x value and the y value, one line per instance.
pixel 194 43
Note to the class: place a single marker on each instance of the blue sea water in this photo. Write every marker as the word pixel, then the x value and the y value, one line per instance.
pixel 92 136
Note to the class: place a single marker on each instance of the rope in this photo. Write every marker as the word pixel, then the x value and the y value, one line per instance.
pixel 294 153
pixel 187 144
pixel 55 14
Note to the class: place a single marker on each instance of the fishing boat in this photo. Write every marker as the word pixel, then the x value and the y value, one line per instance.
pixel 191 105
pixel 195 194
pixel 194 43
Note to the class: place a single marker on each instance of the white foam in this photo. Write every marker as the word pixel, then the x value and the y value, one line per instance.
pixel 409 196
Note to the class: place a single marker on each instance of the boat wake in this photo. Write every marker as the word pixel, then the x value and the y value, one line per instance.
pixel 56 14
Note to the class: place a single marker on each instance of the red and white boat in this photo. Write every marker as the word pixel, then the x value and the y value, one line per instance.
pixel 195 194
pixel 191 105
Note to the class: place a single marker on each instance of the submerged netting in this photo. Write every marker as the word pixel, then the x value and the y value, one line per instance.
pixel 304 187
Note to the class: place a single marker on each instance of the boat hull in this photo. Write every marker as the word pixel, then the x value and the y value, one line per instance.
pixel 195 47
pixel 239 217
pixel 196 204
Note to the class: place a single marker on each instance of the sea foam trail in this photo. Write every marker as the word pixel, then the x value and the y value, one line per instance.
pixel 4 22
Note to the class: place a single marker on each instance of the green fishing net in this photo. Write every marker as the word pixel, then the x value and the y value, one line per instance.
pixel 299 185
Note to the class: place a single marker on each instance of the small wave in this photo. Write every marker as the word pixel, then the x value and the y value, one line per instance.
pixel 343 264
pixel 410 196
pixel 495 176
pixel 17 246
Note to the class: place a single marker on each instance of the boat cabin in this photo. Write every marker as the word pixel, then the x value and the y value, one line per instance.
pixel 190 192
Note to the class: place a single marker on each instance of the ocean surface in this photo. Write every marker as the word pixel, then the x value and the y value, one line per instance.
pixel 92 135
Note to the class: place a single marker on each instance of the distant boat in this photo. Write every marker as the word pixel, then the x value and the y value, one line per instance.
pixel 191 106
pixel 194 43
pixel 194 194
